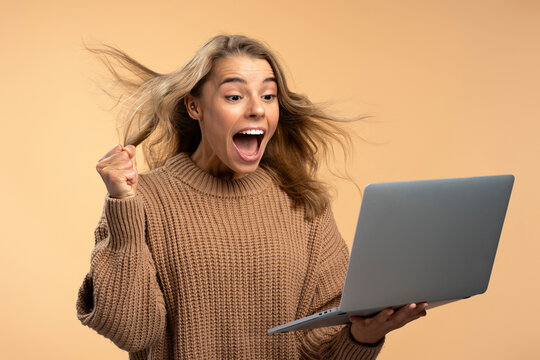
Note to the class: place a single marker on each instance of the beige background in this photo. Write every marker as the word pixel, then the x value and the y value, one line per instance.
pixel 454 86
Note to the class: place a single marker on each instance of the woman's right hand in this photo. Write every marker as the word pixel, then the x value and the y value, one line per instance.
pixel 118 171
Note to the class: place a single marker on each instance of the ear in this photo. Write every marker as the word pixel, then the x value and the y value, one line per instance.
pixel 192 107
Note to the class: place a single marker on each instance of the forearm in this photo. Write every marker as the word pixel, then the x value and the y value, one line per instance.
pixel 325 284
pixel 120 297
pixel 336 344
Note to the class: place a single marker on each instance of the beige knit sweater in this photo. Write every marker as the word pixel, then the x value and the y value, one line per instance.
pixel 196 267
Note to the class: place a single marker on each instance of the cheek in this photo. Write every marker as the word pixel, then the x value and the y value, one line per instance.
pixel 274 120
pixel 218 128
pixel 214 123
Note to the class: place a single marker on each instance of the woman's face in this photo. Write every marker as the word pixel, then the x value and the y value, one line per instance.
pixel 238 113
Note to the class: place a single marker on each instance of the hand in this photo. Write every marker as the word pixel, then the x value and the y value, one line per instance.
pixel 118 171
pixel 371 330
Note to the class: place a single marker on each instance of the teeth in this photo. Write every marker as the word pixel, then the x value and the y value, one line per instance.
pixel 252 132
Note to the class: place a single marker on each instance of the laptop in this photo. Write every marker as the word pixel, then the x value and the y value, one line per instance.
pixel 427 240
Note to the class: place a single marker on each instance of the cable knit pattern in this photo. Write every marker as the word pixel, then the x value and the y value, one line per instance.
pixel 197 267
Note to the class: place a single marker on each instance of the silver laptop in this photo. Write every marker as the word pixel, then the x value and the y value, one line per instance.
pixel 427 240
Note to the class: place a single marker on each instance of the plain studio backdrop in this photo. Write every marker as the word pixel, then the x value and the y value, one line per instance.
pixel 454 87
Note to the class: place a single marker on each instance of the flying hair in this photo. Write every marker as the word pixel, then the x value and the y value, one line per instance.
pixel 156 118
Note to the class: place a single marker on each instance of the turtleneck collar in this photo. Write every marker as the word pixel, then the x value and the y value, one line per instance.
pixel 183 168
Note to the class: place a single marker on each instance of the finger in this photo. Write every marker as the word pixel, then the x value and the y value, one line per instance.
pixel 130 149
pixel 131 177
pixel 421 308
pixel 383 316
pixel 416 316
pixel 116 149
pixel 403 314
pixel 412 312
pixel 119 157
pixel 357 319
pixel 120 161
pixel 379 317
pixel 106 159
pixel 131 152
pixel 122 179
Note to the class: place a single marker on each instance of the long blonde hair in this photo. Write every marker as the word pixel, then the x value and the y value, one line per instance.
pixel 158 120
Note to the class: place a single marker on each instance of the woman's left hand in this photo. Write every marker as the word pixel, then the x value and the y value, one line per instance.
pixel 371 330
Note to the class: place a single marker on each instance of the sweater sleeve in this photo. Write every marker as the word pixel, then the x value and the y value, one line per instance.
pixel 120 297
pixel 323 291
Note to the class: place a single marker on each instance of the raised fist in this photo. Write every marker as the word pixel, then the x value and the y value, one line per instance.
pixel 118 171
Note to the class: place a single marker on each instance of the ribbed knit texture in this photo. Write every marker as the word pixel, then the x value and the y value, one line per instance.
pixel 196 267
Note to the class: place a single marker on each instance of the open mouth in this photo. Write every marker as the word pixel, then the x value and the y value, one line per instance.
pixel 248 142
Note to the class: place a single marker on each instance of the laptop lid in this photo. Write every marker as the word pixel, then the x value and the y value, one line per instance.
pixel 427 240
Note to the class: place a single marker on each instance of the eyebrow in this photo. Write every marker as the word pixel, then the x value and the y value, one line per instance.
pixel 240 80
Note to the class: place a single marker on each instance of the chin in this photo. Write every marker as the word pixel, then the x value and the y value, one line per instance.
pixel 241 165
pixel 241 170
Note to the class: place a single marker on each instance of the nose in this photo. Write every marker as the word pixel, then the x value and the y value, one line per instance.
pixel 255 108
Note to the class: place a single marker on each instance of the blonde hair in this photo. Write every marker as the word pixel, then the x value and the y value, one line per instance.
pixel 157 118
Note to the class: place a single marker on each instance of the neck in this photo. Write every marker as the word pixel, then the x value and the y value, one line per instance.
pixel 208 161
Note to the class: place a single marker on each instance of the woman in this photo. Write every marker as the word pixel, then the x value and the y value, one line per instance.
pixel 230 233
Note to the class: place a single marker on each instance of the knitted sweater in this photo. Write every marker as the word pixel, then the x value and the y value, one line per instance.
pixel 197 267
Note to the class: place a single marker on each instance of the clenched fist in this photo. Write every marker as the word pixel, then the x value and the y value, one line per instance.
pixel 118 171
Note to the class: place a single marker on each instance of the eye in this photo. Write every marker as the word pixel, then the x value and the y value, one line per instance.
pixel 269 97
pixel 233 97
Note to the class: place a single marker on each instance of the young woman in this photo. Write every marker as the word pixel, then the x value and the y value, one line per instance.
pixel 229 233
